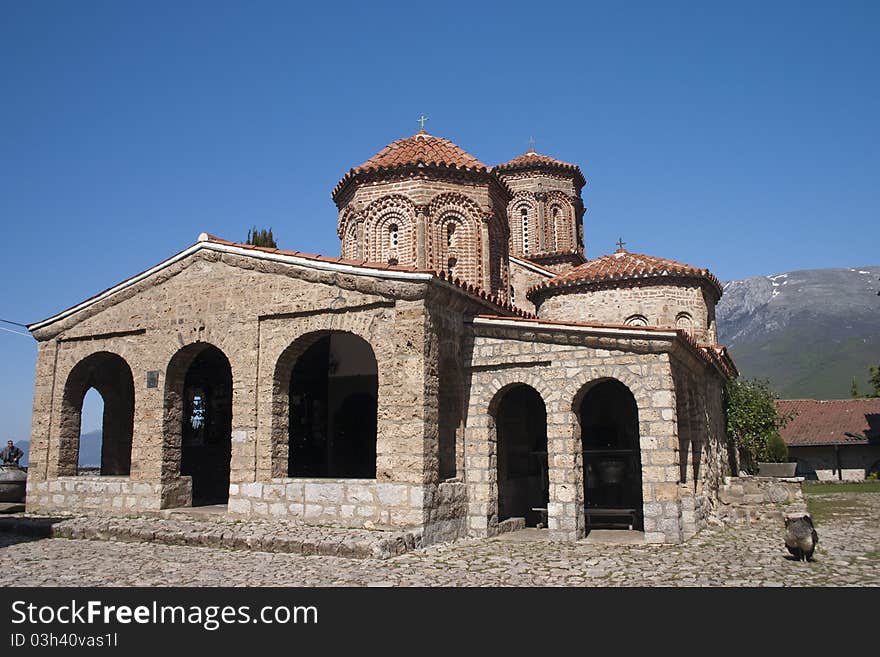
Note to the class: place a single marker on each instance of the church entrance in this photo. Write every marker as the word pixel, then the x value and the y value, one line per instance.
pixel 523 486
pixel 333 394
pixel 612 457
pixel 206 429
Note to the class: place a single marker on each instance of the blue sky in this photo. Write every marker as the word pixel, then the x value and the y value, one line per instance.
pixel 739 136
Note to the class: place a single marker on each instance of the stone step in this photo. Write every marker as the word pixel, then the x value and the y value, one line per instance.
pixel 220 533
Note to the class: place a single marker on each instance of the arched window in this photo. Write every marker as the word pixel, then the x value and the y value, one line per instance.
pixel 636 320
pixel 450 235
pixel 524 218
pixel 685 322
pixel 512 294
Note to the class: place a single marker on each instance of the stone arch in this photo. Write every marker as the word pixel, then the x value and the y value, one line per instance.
pixel 382 215
pixel 351 241
pixel 610 437
pixel 197 424
pixel 110 375
pixel 518 432
pixel 684 321
pixel 325 391
pixel 456 209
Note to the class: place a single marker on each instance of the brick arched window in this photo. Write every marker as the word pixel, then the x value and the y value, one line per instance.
pixel 524 219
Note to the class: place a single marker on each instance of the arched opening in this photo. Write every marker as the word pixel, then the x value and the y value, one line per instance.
pixel 199 397
pixel 450 416
pixel 523 485
pixel 333 391
pixel 91 433
pixel 109 452
pixel 609 420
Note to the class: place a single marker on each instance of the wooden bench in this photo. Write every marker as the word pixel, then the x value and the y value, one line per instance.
pixel 610 513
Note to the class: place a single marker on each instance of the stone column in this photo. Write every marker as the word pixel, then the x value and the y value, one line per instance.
pixel 41 420
pixel 565 509
pixel 658 434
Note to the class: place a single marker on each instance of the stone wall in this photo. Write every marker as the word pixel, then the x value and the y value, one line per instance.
pixel 751 499
pixel 100 493
pixel 338 502
pixel 252 311
pixel 561 365
pixel 659 304
pixel 521 279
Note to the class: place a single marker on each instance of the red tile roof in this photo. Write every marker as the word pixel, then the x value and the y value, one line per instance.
pixel 623 265
pixel 533 160
pixel 419 149
pixel 826 422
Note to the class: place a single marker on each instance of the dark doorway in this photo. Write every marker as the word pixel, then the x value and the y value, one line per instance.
pixel 523 487
pixel 612 457
pixel 110 376
pixel 333 391
pixel 206 432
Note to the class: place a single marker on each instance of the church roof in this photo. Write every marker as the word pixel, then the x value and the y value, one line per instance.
pixel 422 149
pixel 533 160
pixel 622 266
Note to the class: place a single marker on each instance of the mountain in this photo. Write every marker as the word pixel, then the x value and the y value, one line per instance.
pixel 89 449
pixel 809 332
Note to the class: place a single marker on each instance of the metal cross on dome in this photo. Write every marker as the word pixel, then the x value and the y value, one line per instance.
pixel 620 244
pixel 421 121
pixel 531 144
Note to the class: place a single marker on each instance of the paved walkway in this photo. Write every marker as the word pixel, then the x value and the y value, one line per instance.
pixel 848 555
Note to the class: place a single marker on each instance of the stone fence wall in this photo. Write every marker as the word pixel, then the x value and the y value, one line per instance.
pixel 104 493
pixel 750 499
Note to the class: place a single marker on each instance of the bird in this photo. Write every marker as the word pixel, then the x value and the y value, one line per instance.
pixel 800 536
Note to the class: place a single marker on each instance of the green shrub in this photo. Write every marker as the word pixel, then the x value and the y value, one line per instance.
pixel 776 451
pixel 752 420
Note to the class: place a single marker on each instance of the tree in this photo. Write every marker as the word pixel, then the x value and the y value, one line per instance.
pixel 261 237
pixel 874 380
pixel 753 421
pixel 854 389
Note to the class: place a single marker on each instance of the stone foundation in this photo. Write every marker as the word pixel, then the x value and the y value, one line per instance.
pixel 356 503
pixel 105 493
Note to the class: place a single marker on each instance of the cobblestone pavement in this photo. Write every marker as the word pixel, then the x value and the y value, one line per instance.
pixel 848 555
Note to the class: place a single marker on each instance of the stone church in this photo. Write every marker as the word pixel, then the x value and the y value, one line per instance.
pixel 462 369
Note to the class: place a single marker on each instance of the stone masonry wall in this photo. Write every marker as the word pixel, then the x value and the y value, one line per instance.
pixel 661 305
pixel 115 494
pixel 560 366
pixel 521 279
pixel 337 502
pixel 751 499
pixel 252 311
